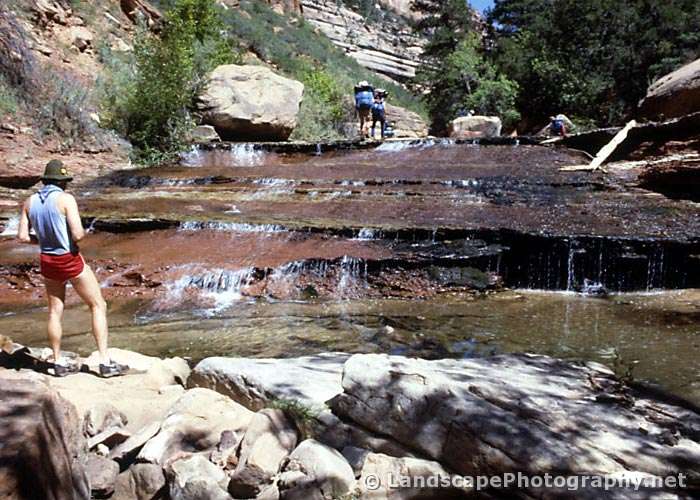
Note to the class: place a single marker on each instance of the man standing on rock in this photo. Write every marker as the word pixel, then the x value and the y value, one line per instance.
pixel 53 214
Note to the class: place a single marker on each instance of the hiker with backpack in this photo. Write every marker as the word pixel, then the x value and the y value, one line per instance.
pixel 364 98
pixel 378 111
pixel 558 125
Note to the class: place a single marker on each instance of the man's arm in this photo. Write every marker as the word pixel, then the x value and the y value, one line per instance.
pixel 73 217
pixel 23 231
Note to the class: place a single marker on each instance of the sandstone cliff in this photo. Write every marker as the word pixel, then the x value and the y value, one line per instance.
pixel 389 47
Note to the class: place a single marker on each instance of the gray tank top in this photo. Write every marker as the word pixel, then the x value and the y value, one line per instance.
pixel 49 223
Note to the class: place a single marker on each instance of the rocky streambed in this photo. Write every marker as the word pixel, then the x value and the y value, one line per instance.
pixel 427 266
pixel 339 426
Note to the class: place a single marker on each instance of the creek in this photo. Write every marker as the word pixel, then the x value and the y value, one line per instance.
pixel 423 248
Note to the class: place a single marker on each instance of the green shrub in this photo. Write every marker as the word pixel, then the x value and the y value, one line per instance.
pixel 322 113
pixel 64 111
pixel 8 98
pixel 147 97
pixel 294 46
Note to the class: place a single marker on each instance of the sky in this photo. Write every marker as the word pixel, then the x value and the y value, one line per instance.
pixel 481 5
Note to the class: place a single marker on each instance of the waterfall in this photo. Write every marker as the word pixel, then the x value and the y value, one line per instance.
pixel 11 226
pixel 191 158
pixel 368 234
pixel 247 155
pixel 233 227
pixel 352 270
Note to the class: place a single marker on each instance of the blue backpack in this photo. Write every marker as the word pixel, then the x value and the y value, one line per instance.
pixel 557 126
pixel 378 110
pixel 364 99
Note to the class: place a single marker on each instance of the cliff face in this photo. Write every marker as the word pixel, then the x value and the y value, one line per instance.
pixel 388 47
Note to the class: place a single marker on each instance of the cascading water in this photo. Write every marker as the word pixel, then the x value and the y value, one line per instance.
pixel 11 226
pixel 221 286
pixel 247 155
pixel 233 227
pixel 353 275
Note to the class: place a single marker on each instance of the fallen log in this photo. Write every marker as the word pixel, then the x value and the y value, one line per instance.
pixel 605 152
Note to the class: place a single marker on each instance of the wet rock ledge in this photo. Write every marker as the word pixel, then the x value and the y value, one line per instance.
pixel 324 426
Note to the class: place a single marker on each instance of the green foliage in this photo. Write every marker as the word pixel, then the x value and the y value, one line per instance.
pixel 591 58
pixel 148 98
pixel 293 47
pixel 8 98
pixel 322 114
pixel 458 76
pixel 302 415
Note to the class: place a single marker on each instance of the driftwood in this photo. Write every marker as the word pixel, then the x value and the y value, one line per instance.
pixel 605 152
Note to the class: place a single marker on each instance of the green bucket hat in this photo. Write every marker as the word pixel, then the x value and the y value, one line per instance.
pixel 56 171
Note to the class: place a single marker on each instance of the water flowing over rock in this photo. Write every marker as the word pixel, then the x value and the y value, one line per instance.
pixel 474 127
pixel 42 452
pixel 675 94
pixel 251 102
pixel 519 413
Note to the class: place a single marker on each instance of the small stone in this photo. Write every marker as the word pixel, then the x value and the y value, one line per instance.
pixel 140 482
pixel 102 474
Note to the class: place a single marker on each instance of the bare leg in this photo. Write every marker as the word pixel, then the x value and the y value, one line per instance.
pixel 56 293
pixel 88 288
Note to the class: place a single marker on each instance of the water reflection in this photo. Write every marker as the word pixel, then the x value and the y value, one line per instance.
pixel 658 334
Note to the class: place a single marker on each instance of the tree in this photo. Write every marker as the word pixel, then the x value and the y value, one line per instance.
pixel 457 76
pixel 591 58
pixel 151 101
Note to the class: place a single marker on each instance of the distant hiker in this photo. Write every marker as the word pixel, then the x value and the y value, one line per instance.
pixel 378 112
pixel 53 214
pixel 364 98
pixel 558 125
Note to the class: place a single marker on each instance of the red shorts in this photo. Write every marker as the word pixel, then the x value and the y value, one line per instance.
pixel 62 267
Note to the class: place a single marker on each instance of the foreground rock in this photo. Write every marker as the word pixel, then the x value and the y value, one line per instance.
pixel 406 124
pixel 255 383
pixel 194 424
pixel 475 127
pixel 315 471
pixel 267 442
pixel 675 94
pixel 519 413
pixel 251 103
pixel 42 452
pixel 139 399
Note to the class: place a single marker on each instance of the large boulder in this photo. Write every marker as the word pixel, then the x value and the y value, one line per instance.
pixel 475 127
pixel 406 124
pixel 42 450
pixel 194 424
pixel 675 94
pixel 251 103
pixel 527 413
pixel 255 383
